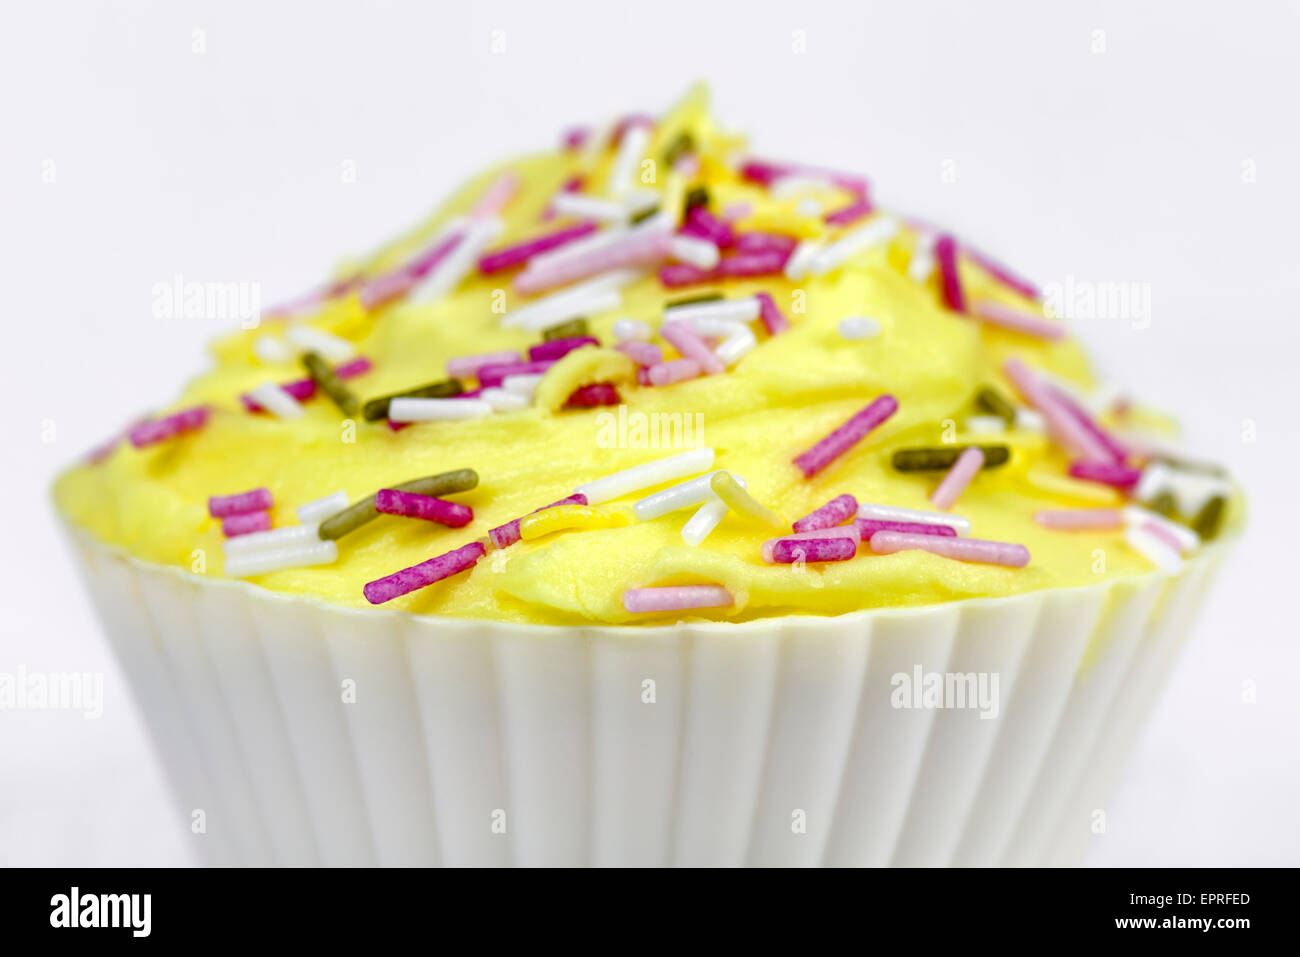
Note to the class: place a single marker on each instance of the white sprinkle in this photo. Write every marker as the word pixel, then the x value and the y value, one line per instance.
pixel 274 538
pixel 501 400
pixel 271 349
pixel 699 253
pixel 1136 515
pixel 642 476
pixel 595 295
pixel 809 207
pixel 276 559
pixel 310 339
pixel 1030 420
pixel 436 410
pixel 859 327
pixel 276 401
pixel 874 232
pixel 736 346
pixel 1191 490
pixel 1154 479
pixel 631 150
pixel 524 385
pixel 640 200
pixel 985 424
pixel 323 508
pixel 706 518
pixel 791 185
pixel 895 513
pixel 632 330
pixel 447 276
pixel 582 206
pixel 922 264
pixel 683 495
pixel 1152 548
pixel 580 247
pixel 737 310
pixel 801 260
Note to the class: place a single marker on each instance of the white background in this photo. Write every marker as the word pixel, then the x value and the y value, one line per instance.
pixel 1124 165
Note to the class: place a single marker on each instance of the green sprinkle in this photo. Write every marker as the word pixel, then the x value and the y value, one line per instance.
pixel 377 409
pixel 1209 519
pixel 1165 504
pixel 683 144
pixel 692 300
pixel 572 329
pixel 357 514
pixel 1205 468
pixel 643 215
pixel 991 400
pixel 932 460
pixel 328 382
pixel 698 196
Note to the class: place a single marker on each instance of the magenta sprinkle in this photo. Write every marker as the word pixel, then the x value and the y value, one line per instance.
pixel 589 396
pixel 869 526
pixel 465 367
pixel 245 524
pixel 773 319
pixel 159 430
pixel 1089 424
pixel 702 223
pixel 574 137
pixel 304 389
pixel 850 214
pixel 423 264
pixel 558 348
pixel 945 254
pixel 642 353
pixel 503 536
pixel 254 500
pixel 752 264
pixel 397 426
pixel 353 368
pixel 674 275
pixel 390 501
pixel 495 373
pixel 837 510
pixel 1108 473
pixel 786 552
pixel 1001 273
pixel 426 573
pixel 761 242
pixel 519 253
pixel 846 436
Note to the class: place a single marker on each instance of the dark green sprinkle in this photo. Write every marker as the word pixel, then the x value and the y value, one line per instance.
pixel 1210 518
pixel 643 215
pixel 1165 504
pixel 991 400
pixel 692 300
pixel 357 514
pixel 697 196
pixel 328 382
pixel 377 409
pixel 683 144
pixel 1205 468
pixel 932 460
pixel 572 329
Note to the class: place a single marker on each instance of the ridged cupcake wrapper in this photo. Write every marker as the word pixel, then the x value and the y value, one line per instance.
pixel 312 735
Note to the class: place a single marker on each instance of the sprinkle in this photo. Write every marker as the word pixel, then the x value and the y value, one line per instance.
pixel 739 500
pixel 304 389
pixel 503 536
pixel 446 277
pixel 245 524
pixel 704 225
pixel 675 370
pixel 426 573
pixel 559 348
pixel 766 173
pixel 962 549
pixel 996 314
pixel 159 430
pixel 1113 448
pixel 740 266
pixel 837 510
pixel 561 517
pixel 737 342
pixel 524 385
pixel 264 560
pixel 842 531
pixel 746 309
pixel 359 513
pixel 494 374
pixel 566 330
pixel 254 500
pixel 895 513
pixel 574 137
pixel 687 341
pixel 1209 519
pixel 1065 428
pixel 801 260
pixel 1080 518
pixel 502 400
pixel 632 330
pixel 847 215
pixel 631 150
pixel 657 472
pixel 683 495
pixel 465 367
pixel 646 244
pixel 585 299
pixel 1154 547
pixel 1182 537
pixel 1108 473
pixel 675 275
pixel 1001 273
pixel 329 383
pixel 921 265
pixel 584 206
pixel 696 196
pixel 846 436
pixel 271 349
pixel 595 394
pixel 854 328
pixel 571 185
pixel 791 185
pixel 874 233
pixel 320 509
pixel 391 501
pixel 985 425
pixel 276 400
pixel 398 282
pixel 517 254
pixel 991 400
pixel 310 339
pixel 269 541
pixel 436 410
pixel 869 526
pixel 739 209
pixel 642 353
pixel 1054 483
pixel 968 464
pixel 676 598
pixel 945 253
pixel 377 409
pixel 773 320
pixel 699 253
pixel 1166 504
pixel 1030 420
pixel 497 196
pixel 706 518
pixel 946 456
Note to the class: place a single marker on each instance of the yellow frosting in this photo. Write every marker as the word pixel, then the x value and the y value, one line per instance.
pixel 780 399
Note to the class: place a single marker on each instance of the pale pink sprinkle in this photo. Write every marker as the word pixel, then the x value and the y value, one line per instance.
pixel 687 166
pixel 1162 533
pixel 841 531
pixel 676 598
pixel 678 370
pixel 559 348
pixel 1005 317
pixel 245 523
pixel 497 196
pixel 391 501
pixel 159 430
pixel 674 275
pixel 1118 451
pixel 1108 473
pixel 503 536
pixel 642 353
pixel 702 223
pixel 423 264
pixel 466 367
pixel 640 247
pixel 773 319
pixel 1001 273
pixel 687 341
pixel 962 549
pixel 945 254
pixel 426 573
pixel 752 264
pixel 495 374
pixel 958 478
pixel 1064 427
pixel 737 210
pixel 846 436
pixel 766 173
pixel 572 185
pixel 383 290
pixel 850 214
pixel 254 500
pixel 510 256
pixel 1075 518
pixel 838 509
pixel 761 242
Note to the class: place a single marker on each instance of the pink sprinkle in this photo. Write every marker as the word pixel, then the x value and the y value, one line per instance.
pixel 589 396
pixel 353 368
pixel 737 210
pixel 959 476
pixel 466 367
pixel 426 573
pixel 496 373
pixel 761 242
pixel 391 501
pixel 1001 273
pixel 572 185
pixel 687 341
pixel 397 426
pixel 766 173
pixel 1064 427
pixel 786 552
pixel 1108 473
pixel 245 523
pixel 846 436
pixel 503 536
pixel 773 319
pixel 945 253
pixel 676 598
pixel 687 166
pixel 497 196
pixel 841 531
pixel 850 214
pixel 1072 518
pixel 996 314
pixel 643 375
pixel 574 137
pixel 674 275
pixel 702 223
pixel 869 526
pixel 962 549
pixel 423 264
pixel 638 248
pixel 254 500
pixel 838 509
pixel 677 370
pixel 559 348
pixel 1162 533
pixel 159 430
pixel 399 281
pixel 304 389
pixel 642 353
pixel 752 264
pixel 627 122
pixel 519 253
pixel 1117 451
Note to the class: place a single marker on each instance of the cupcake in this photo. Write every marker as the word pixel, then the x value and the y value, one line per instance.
pixel 650 503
